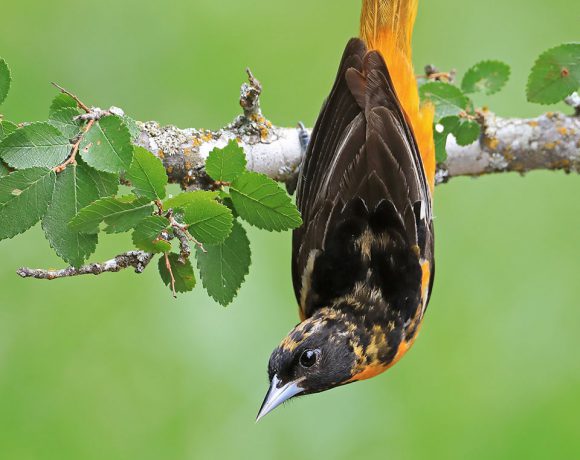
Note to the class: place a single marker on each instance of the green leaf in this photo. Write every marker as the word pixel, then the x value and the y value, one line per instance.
pixel 467 132
pixel 209 221
pixel 6 128
pixel 134 130
pixel 24 198
pixel 62 101
pixel 263 203
pixel 555 75
pixel 147 174
pixel 3 170
pixel 35 145
pixel 75 189
pixel 107 146
pixel 224 267
pixel 486 77
pixel 224 165
pixel 146 235
pixel 441 131
pixel 183 273
pixel 63 121
pixel 119 214
pixel 107 184
pixel 4 80
pixel 448 99
pixel 184 199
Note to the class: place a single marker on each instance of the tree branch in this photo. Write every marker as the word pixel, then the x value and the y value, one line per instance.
pixel 136 259
pixel 548 142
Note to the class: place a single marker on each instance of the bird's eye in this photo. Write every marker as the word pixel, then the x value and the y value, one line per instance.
pixel 308 358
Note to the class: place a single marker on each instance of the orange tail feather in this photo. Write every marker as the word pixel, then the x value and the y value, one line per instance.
pixel 387 26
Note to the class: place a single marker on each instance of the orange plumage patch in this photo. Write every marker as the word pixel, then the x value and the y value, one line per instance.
pixel 387 26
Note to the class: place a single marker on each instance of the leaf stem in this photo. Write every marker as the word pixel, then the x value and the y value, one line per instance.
pixel 75 149
pixel 170 270
pixel 80 103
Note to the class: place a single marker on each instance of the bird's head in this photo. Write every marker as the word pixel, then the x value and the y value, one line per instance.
pixel 315 356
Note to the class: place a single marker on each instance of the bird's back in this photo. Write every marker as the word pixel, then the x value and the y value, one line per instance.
pixel 367 241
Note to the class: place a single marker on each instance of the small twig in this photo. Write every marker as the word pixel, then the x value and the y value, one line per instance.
pixel 159 206
pixel 250 96
pixel 432 73
pixel 136 259
pixel 80 103
pixel 184 248
pixel 75 149
pixel 170 270
pixel 183 228
pixel 97 113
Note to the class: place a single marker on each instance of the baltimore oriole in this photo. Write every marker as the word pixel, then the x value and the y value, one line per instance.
pixel 362 263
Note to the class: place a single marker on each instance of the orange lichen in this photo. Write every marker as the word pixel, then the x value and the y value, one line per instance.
pixel 492 143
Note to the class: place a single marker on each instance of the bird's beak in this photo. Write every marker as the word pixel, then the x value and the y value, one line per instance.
pixel 277 395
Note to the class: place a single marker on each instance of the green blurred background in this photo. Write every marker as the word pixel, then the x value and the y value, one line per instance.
pixel 113 368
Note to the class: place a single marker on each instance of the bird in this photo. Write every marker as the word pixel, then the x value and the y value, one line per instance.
pixel 363 260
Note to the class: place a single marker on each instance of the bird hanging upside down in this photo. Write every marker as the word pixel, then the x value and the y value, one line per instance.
pixel 362 262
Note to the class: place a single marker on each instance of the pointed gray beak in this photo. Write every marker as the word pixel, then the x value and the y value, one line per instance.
pixel 277 396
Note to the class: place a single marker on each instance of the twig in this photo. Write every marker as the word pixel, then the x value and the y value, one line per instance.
pixel 250 96
pixel 170 270
pixel 97 113
pixel 183 229
pixel 75 149
pixel 80 103
pixel 184 248
pixel 136 259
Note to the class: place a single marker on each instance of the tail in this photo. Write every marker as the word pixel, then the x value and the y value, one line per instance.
pixel 387 26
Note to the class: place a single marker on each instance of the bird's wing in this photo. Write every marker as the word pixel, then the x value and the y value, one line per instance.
pixel 362 170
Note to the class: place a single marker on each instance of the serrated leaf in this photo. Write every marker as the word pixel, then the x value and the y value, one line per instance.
pixel 119 214
pixel 183 273
pixel 35 145
pixel 3 170
pixel 263 203
pixel 75 189
pixel 226 164
pixel 486 77
pixel 62 101
pixel 107 146
pixel 63 121
pixel 224 267
pixel 208 221
pixel 555 75
pixel 447 99
pixel 134 130
pixel 24 198
pixel 4 80
pixel 186 198
pixel 441 131
pixel 107 184
pixel 6 128
pixel 147 174
pixel 146 235
pixel 467 132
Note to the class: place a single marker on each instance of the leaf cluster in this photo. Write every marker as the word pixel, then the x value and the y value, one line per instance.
pixel 554 76
pixel 66 172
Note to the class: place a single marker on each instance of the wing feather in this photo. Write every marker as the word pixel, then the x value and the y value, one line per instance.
pixel 362 151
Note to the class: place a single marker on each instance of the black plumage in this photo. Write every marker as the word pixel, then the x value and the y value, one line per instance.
pixel 362 178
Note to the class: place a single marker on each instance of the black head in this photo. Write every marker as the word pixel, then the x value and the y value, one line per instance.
pixel 315 356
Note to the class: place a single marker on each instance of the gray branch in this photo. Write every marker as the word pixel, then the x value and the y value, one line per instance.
pixel 136 259
pixel 548 142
